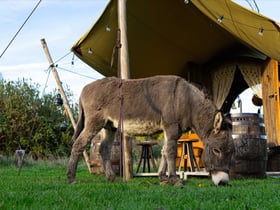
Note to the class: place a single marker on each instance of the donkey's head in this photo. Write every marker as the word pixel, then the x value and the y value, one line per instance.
pixel 218 149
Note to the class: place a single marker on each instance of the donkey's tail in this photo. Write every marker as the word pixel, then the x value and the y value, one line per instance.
pixel 80 124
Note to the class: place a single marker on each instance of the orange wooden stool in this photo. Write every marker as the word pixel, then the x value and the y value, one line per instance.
pixel 189 151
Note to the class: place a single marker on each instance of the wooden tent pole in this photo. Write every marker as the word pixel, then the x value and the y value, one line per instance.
pixel 271 106
pixel 124 58
pixel 61 90
pixel 125 74
pixel 58 82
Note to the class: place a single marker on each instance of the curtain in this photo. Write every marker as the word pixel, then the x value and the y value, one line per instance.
pixel 222 80
pixel 252 75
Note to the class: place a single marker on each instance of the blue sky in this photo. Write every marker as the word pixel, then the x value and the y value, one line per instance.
pixel 61 23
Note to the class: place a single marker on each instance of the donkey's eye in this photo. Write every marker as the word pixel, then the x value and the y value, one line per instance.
pixel 217 152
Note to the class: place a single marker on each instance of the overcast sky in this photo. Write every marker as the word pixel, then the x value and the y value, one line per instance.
pixel 61 23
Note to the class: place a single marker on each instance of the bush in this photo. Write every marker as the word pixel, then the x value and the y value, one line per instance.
pixel 31 122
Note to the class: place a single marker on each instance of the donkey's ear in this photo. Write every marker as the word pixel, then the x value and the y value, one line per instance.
pixel 218 122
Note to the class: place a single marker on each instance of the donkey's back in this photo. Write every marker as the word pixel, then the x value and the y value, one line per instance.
pixel 147 104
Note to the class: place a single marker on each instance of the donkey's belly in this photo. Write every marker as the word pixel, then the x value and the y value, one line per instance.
pixel 137 127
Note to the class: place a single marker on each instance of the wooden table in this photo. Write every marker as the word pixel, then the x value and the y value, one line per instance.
pixel 146 155
pixel 187 149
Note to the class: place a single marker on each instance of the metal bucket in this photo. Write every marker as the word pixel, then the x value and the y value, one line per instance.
pixel 250 157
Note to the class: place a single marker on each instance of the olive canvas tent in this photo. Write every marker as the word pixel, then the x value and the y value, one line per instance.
pixel 164 36
pixel 213 43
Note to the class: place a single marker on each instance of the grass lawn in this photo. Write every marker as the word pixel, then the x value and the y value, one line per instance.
pixel 43 185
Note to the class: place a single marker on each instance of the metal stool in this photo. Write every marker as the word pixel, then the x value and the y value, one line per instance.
pixel 146 155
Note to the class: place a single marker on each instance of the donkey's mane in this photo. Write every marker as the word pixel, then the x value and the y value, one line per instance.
pixel 200 87
pixel 205 111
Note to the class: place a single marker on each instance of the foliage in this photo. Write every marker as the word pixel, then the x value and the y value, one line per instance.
pixel 31 122
pixel 43 185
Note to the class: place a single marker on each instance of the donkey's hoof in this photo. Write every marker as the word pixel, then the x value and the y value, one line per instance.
pixel 174 180
pixel 111 178
pixel 164 182
pixel 179 183
pixel 72 181
pixel 163 179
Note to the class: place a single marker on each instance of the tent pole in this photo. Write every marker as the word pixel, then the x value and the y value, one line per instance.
pixel 125 74
pixel 63 95
pixel 124 58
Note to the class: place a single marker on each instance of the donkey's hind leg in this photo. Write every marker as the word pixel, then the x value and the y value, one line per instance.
pixel 108 136
pixel 77 149
pixel 168 161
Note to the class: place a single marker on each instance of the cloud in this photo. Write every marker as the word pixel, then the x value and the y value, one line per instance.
pixel 73 76
pixel 22 67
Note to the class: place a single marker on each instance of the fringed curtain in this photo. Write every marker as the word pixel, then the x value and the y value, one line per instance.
pixel 252 76
pixel 222 81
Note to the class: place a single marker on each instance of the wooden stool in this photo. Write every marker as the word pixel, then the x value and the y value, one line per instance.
pixel 146 155
pixel 187 149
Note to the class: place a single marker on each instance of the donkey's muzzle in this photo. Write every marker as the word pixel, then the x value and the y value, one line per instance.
pixel 220 178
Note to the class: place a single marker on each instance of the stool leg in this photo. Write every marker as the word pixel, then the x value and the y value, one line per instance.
pixel 145 158
pixel 190 155
pixel 185 146
pixel 193 162
pixel 152 159
pixel 182 157
pixel 140 160
pixel 196 163
pixel 148 158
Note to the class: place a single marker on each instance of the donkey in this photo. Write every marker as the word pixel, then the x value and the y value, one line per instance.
pixel 150 105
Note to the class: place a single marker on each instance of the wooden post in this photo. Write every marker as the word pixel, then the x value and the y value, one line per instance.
pixel 58 82
pixel 61 90
pixel 271 106
pixel 125 74
pixel 124 58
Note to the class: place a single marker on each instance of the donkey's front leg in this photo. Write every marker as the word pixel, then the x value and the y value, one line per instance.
pixel 171 154
pixel 163 167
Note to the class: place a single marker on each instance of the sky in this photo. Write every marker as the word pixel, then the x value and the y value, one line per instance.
pixel 61 23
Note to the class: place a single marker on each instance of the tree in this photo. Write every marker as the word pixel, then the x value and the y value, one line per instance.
pixel 31 122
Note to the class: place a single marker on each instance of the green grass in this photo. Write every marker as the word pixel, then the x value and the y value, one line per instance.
pixel 43 185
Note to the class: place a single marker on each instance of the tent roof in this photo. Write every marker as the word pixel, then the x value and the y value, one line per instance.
pixel 165 36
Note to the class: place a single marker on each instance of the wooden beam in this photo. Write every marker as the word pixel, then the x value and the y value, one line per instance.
pixel 274 64
pixel 63 95
pixel 271 106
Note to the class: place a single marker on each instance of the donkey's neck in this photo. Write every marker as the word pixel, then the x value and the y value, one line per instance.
pixel 203 117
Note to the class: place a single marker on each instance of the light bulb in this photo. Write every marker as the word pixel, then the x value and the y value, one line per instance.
pixel 220 19
pixel 89 51
pixel 261 31
pixel 107 28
